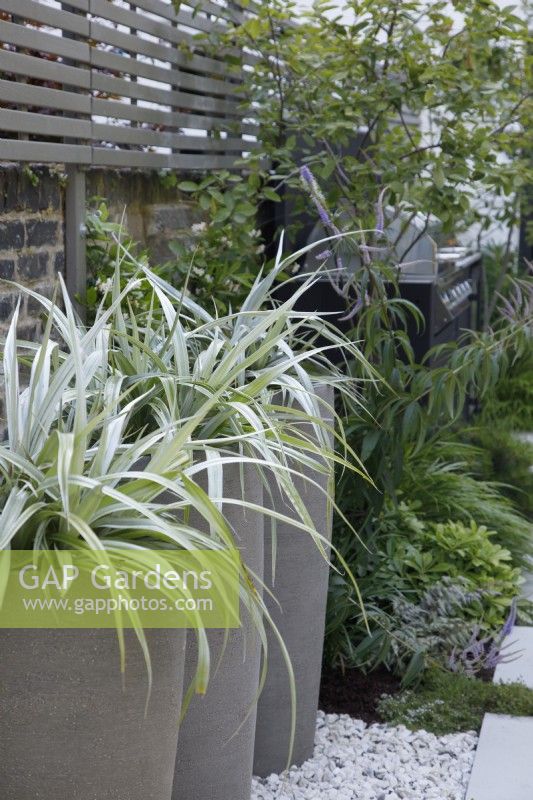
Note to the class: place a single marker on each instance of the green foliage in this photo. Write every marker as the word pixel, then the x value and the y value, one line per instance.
pixel 500 456
pixel 109 244
pixel 408 632
pixel 224 253
pixel 218 260
pixel 411 564
pixel 425 587
pixel 388 62
pixel 511 404
pixel 494 257
pixel 31 175
pixel 407 547
pixel 447 703
pixel 362 140
pixel 443 489
pixel 407 418
pixel 403 434
pixel 401 431
pixel 512 400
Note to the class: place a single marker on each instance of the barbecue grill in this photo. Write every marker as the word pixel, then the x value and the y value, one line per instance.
pixel 442 282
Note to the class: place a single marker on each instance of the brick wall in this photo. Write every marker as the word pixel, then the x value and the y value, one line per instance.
pixel 31 242
pixel 32 230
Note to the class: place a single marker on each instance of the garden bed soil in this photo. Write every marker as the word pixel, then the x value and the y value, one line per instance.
pixel 354 693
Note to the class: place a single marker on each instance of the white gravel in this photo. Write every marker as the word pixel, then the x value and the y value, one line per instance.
pixel 355 761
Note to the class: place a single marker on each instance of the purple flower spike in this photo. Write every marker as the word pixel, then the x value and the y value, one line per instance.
pixel 323 214
pixel 306 174
pixel 317 197
pixel 380 216
pixel 357 306
pixel 509 622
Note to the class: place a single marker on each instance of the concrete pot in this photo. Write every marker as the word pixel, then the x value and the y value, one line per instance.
pixel 214 761
pixel 68 729
pixel 301 589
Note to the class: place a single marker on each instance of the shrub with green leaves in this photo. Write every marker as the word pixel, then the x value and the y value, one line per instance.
pixel 445 489
pixel 389 62
pixel 216 261
pixel 221 258
pixel 413 633
pixel 446 703
pixel 425 587
pixel 109 243
pixel 412 564
pixel 421 478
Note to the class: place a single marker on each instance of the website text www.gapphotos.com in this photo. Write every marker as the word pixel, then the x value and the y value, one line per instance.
pixel 88 589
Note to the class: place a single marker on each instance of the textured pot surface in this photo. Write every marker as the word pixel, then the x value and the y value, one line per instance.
pixel 301 588
pixel 68 728
pixel 215 749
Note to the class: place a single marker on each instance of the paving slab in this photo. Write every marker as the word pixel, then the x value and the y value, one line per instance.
pixel 503 767
pixel 521 668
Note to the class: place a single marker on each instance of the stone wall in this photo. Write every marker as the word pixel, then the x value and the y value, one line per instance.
pixel 153 214
pixel 32 248
pixel 31 242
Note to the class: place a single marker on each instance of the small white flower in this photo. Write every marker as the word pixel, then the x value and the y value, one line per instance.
pixel 104 286
pixel 198 228
pixel 260 249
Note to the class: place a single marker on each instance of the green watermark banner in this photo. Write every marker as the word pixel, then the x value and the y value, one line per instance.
pixel 119 588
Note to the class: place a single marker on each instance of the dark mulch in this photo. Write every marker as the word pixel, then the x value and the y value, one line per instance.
pixel 355 693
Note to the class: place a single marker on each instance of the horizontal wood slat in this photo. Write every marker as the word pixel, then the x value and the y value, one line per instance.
pixel 13 150
pixel 155 94
pixel 156 27
pixel 225 12
pixel 45 125
pixel 139 45
pixel 52 16
pixel 119 84
pixel 117 110
pixel 153 138
pixel 43 70
pixel 107 157
pixel 193 17
pixel 32 39
pixel 124 62
pixel 25 94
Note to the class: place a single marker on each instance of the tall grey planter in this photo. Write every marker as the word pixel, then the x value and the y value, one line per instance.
pixel 300 587
pixel 216 743
pixel 68 728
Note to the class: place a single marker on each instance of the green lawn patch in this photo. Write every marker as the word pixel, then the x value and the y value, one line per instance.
pixel 446 703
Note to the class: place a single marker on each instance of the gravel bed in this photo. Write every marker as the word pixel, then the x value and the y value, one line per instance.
pixel 355 761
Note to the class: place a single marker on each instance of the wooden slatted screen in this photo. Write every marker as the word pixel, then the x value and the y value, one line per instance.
pixel 119 84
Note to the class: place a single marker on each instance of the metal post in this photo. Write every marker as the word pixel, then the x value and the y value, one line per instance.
pixel 75 231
